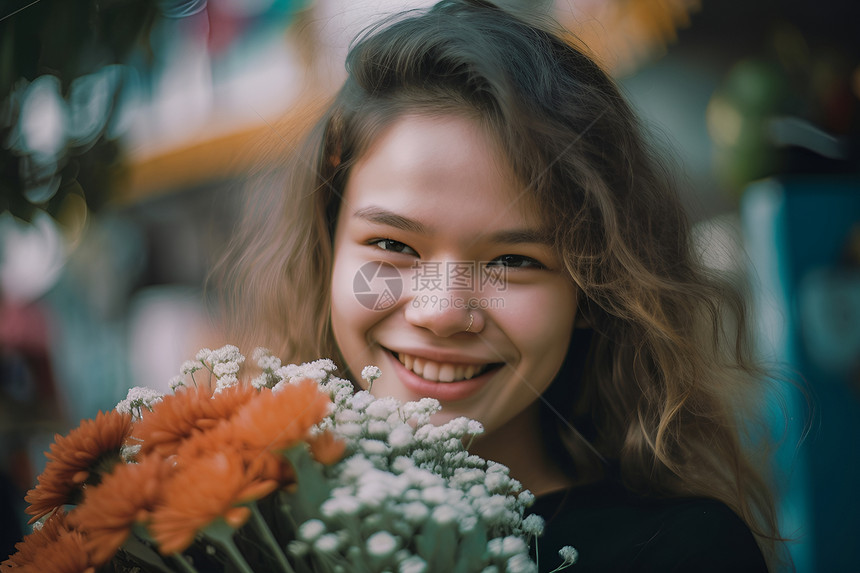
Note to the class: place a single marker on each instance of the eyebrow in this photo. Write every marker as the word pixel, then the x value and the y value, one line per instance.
pixel 520 236
pixel 382 216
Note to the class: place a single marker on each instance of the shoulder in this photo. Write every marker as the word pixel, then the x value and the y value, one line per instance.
pixel 614 530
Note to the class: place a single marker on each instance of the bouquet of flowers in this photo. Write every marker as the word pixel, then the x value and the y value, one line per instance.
pixel 293 472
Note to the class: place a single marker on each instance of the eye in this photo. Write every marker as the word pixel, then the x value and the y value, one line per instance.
pixel 393 246
pixel 516 262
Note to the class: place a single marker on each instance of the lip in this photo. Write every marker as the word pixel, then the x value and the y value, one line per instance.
pixel 442 391
pixel 442 356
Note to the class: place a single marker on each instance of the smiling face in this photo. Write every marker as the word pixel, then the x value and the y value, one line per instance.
pixel 434 199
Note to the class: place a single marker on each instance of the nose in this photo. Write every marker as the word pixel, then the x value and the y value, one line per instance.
pixel 444 314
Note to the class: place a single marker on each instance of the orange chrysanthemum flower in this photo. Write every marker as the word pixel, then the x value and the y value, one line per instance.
pixel 77 459
pixel 203 490
pixel 54 548
pixel 258 463
pixel 326 448
pixel 109 510
pixel 276 421
pixel 177 417
pixel 32 544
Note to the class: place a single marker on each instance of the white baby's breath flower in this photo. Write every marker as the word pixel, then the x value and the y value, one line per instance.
pixel 370 373
pixel 520 563
pixel 311 529
pixel 496 467
pixel 373 492
pixel 475 428
pixel 452 444
pixel 568 554
pixel 176 382
pixel 297 548
pixel 327 543
pixel 526 498
pixel 414 512
pixel 361 400
pixel 225 368
pixel 494 547
pixel 474 461
pixel 412 564
pixel 259 353
pixel 340 506
pixel 421 410
pixel 477 492
pixel 227 353
pixel 203 355
pixel 260 382
pixel 347 416
pixel 341 396
pixel 225 382
pixel 190 367
pixel 467 523
pixel 378 428
pixel 324 364
pixel 466 477
pixel 444 514
pixel 496 482
pixel 381 544
pixel 349 430
pixel 265 360
pixel 374 447
pixel 492 508
pixel 288 372
pixel 400 436
pixel 533 525
pixel 457 427
pixel 511 545
pixel 129 452
pixel 435 495
pixel 381 408
pixel 138 399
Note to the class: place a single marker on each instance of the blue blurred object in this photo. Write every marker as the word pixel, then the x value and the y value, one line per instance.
pixel 806 291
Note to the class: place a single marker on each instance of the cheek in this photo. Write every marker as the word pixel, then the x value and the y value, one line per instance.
pixel 350 320
pixel 539 317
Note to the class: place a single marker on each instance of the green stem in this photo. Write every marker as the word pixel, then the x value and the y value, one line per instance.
pixel 184 564
pixel 236 556
pixel 142 552
pixel 269 539
pixel 222 534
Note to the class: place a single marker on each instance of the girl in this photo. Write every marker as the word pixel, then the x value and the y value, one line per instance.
pixel 477 215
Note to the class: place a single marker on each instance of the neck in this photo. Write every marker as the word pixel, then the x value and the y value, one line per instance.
pixel 519 445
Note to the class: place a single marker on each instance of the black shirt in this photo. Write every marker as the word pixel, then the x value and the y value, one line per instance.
pixel 614 530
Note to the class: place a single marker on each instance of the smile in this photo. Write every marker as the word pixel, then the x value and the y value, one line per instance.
pixel 441 371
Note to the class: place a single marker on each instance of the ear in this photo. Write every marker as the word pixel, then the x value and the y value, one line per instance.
pixel 581 321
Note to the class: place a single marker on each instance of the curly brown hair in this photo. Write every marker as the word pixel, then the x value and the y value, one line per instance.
pixel 658 387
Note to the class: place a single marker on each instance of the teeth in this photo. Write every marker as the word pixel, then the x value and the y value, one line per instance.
pixel 418 366
pixel 431 370
pixel 440 372
pixel 446 373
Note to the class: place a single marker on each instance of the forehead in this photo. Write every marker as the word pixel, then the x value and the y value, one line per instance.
pixel 430 158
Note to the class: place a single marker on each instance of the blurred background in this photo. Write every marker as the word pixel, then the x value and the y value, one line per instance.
pixel 127 129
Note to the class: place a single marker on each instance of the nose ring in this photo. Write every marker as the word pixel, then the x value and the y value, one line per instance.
pixel 471 322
